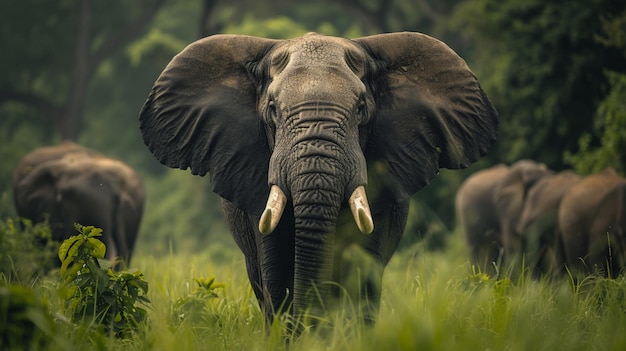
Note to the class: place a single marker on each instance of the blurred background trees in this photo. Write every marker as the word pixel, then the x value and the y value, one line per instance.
pixel 81 70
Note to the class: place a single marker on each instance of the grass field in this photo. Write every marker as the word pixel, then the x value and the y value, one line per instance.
pixel 431 301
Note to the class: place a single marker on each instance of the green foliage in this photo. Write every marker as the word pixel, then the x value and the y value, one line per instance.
pixel 545 75
pixel 183 215
pixel 430 300
pixel 198 308
pixel 610 117
pixel 25 323
pixel 101 295
pixel 153 42
pixel 26 250
pixel 277 28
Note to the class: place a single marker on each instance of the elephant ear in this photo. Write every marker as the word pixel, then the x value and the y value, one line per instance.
pixel 201 114
pixel 430 110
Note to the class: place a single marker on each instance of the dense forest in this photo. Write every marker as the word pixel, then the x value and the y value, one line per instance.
pixel 81 70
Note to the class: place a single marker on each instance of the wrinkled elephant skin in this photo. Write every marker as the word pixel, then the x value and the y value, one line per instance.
pixel 343 131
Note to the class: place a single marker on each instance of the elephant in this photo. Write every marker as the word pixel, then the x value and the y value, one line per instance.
pixel 44 154
pixel 69 184
pixel 488 206
pixel 538 224
pixel 592 221
pixel 476 215
pixel 301 135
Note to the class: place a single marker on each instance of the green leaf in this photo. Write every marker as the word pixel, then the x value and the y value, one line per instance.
pixel 69 273
pixel 93 232
pixel 66 245
pixel 98 248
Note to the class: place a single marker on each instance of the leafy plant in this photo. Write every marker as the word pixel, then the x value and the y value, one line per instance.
pixel 26 249
pixel 96 294
pixel 476 280
pixel 195 308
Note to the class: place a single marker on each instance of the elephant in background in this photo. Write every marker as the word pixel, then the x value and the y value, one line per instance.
pixel 69 184
pixel 302 135
pixel 489 205
pixel 476 214
pixel 592 220
pixel 538 224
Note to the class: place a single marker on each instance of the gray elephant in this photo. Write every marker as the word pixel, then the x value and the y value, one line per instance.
pixel 301 135
pixel 476 216
pixel 488 207
pixel 592 221
pixel 538 224
pixel 71 184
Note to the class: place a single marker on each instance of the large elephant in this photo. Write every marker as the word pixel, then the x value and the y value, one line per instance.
pixel 592 221
pixel 298 134
pixel 488 207
pixel 538 224
pixel 70 184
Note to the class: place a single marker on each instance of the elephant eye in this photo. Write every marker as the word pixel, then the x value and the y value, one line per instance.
pixel 360 110
pixel 363 114
pixel 273 111
pixel 272 107
pixel 360 106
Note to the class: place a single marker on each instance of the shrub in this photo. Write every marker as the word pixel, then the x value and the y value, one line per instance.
pixel 26 250
pixel 95 294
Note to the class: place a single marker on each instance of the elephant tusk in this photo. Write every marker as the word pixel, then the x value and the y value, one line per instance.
pixel 361 210
pixel 273 210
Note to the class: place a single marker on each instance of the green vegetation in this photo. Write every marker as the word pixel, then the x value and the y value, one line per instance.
pixel 431 301
pixel 26 250
pixel 96 294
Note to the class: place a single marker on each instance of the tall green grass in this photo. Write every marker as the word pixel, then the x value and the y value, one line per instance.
pixel 431 301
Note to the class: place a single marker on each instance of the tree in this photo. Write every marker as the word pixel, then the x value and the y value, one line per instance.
pixel 543 68
pixel 52 75
pixel 610 116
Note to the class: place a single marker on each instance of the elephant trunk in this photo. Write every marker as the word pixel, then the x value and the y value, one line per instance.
pixel 316 208
pixel 321 168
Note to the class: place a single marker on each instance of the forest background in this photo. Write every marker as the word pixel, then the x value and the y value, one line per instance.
pixel 82 69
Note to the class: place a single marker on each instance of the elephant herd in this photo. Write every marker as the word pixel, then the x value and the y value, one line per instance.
pixel 526 216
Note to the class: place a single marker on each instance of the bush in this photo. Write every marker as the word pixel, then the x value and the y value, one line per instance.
pixel 26 250
pixel 95 294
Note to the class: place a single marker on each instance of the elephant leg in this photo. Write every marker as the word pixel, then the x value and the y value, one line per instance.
pixel 127 218
pixel 242 230
pixel 361 259
pixel 360 281
pixel 269 259
pixel 487 255
pixel 120 233
pixel 277 256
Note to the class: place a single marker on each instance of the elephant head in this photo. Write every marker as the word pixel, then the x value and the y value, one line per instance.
pixel 297 127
